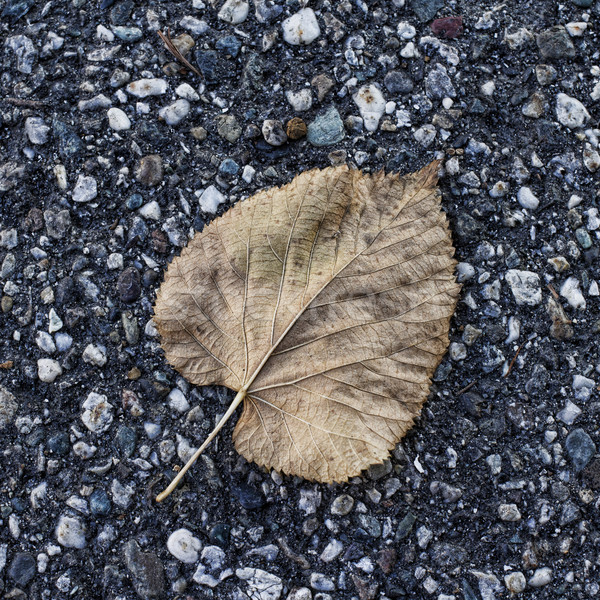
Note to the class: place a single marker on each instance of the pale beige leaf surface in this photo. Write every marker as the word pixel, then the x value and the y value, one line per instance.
pixel 326 305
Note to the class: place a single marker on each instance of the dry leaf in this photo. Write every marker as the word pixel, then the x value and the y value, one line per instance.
pixel 326 305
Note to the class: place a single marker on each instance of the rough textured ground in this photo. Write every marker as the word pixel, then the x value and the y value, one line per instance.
pixel 494 491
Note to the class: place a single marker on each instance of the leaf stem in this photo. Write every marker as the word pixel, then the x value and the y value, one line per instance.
pixel 236 402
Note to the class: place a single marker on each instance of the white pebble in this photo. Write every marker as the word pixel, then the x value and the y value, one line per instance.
pixel 98 413
pixel 300 100
pixel 509 512
pixel 114 261
pixel 184 546
pixel 406 31
pixel 570 111
pixel 185 90
pixel 63 341
pixel 147 87
pixel 515 582
pixel 45 342
pixel 210 199
pixel 527 199
pixel 104 34
pixel 425 135
pixel 576 29
pixel 36 130
pixel 177 401
pixel 574 201
pixel 150 211
pixel 570 291
pixel 95 355
pixel 248 173
pixel 193 25
pixel 118 120
pixel 499 189
pixel 302 28
pixel 371 104
pixel 176 112
pixel 70 532
pixel 54 321
pixel 541 577
pixel 332 551
pixel 514 330
pixel 569 413
pixel 234 11
pixel 48 369
pixel 488 88
pixel 525 287
pixel 86 189
pixel 409 51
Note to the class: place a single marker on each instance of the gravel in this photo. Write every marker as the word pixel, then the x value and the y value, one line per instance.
pixel 114 154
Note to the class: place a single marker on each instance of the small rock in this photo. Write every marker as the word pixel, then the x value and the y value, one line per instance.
pixel 98 102
pixel 127 34
pixel 24 50
pixel 296 128
pixel 591 158
pixel 326 129
pixel 210 200
pixel 176 112
pixel 425 10
pixel 515 582
pixel 333 549
pixel 322 84
pixel 100 503
pixel 527 199
pixel 86 189
pixel 570 291
pixel 184 546
pixel 342 505
pixel 118 119
pixel 371 105
pixel 98 413
pixel 261 584
pixel 48 369
pixel 57 223
pixel 36 130
pixel 70 532
pixel 234 11
pixel 150 170
pixel 438 84
pixel 273 132
pixel 541 577
pixel 94 355
pixel 580 449
pixel 129 285
pixel 525 287
pixel 555 43
pixel 310 500
pixel 194 26
pixel 570 111
pixel 142 88
pixel 448 27
pixel 8 407
pixel 569 413
pixel 301 28
pixel 535 106
pixel 228 128
pixel 321 583
pixel 23 568
pixel 146 570
pixel 509 512
pixel 300 100
pixel 249 497
pixel 214 557
pixel 398 82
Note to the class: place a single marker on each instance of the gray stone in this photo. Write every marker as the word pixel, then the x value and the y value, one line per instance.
pixel 580 448
pixel 273 132
pixel 24 50
pixel 70 532
pixel 86 189
pixel 146 569
pixel 57 223
pixel 150 170
pixel 525 287
pixel 326 129
pixel 438 84
pixel 98 413
pixel 555 43
pixel 261 584
pixel 8 407
pixel 22 569
pixel 398 82
pixel 36 130
pixel 426 9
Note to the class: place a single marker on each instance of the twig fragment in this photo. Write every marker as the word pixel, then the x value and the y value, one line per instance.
pixel 512 362
pixel 553 291
pixel 172 48
pixel 466 388
pixel 24 102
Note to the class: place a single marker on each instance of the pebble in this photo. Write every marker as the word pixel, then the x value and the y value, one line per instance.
pixel 185 90
pixel 509 512
pixel 326 129
pixel 296 128
pixel 70 532
pixel 151 211
pixel 118 119
pixel 129 285
pixel 210 200
pixel 37 131
pixel 398 82
pixel 248 497
pixel 98 102
pixel 438 84
pixel 273 132
pixel 302 28
pixel 300 100
pixel 321 583
pixel 98 413
pixel 142 88
pixel 371 104
pixel 515 582
pixel 100 503
pixel 45 342
pixel 261 584
pixel 228 128
pixel 555 43
pixel 127 34
pixel 301 594
pixel 234 11
pixel 541 577
pixel 86 189
pixel 195 26
pixel 580 449
pixel 48 369
pixel 184 546
pixel 525 287
pixel 146 569
pixel 333 549
pixel 535 106
pixel 527 199
pixel 177 401
pixel 570 291
pixel 22 568
pixel 176 112
pixel 570 111
pixel 24 50
pixel 591 158
pixel 94 355
pixel 569 413
pixel 310 500
pixel 149 171
pixel 8 407
pixel 214 557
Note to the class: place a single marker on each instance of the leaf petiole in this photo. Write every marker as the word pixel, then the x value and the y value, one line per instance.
pixel 236 402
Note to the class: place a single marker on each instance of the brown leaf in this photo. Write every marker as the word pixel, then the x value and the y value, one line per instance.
pixel 326 305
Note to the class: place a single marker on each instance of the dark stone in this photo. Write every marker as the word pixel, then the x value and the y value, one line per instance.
pixel 583 3
pixel 448 556
pixel 160 242
pixel 538 381
pixel 405 526
pixel 121 12
pixel 134 201
pixel 580 449
pixel 210 65
pixel 426 9
pixel 150 170
pixel 126 439
pixel 219 534
pixel 468 593
pixel 57 223
pixel 149 278
pixel 229 168
pixel 592 474
pixel 15 9
pixel 448 27
pixel 129 285
pixel 386 559
pixel 65 291
pixel 398 82
pixel 252 76
pixel 34 220
pixel 22 569
pixel 555 43
pixel 100 503
pixel 366 590
pixel 138 230
pixel 70 145
pixel 59 443
pixel 250 498
pixel 146 569
pixel 467 228
pixel 230 44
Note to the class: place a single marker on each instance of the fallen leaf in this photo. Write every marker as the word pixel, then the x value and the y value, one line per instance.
pixel 326 305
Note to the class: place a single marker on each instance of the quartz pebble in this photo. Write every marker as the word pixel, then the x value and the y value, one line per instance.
pixel 541 577
pixel 371 104
pixel 98 413
pixel 261 584
pixel 234 11
pixel 210 199
pixel 302 28
pixel 509 512
pixel 273 132
pixel 48 369
pixel 527 199
pixel 118 119
pixel 570 291
pixel 176 112
pixel 570 111
pixel 525 287
pixel 142 88
pixel 86 189
pixel 36 130
pixel 300 100
pixel 70 532
pixel 184 546
pixel 515 582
